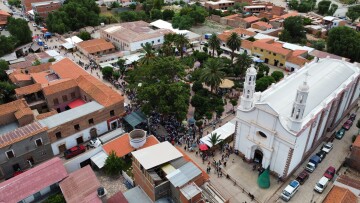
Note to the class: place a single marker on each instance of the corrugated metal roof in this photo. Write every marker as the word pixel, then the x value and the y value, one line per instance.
pixel 184 174
pixel 72 114
pixel 190 170
pixel 177 163
pixel 136 195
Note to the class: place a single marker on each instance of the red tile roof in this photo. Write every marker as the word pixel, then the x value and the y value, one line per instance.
pixel 95 45
pixel 299 52
pixel 270 47
pixel 351 182
pixel 263 24
pixel 117 198
pixel 122 147
pixel 297 60
pixel 28 89
pixel 66 68
pixel 19 134
pixel 340 195
pixel 251 19
pixel 290 14
pixel 32 180
pixel 356 142
pixel 4 13
pixel 13 107
pixel 246 44
pixel 81 186
pixel 59 86
pixel 45 115
pixel 226 34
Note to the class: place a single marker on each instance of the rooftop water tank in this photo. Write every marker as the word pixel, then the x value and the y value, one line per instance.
pixel 137 138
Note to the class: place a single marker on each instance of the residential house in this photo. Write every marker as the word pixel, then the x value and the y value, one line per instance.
pixel 33 184
pixel 340 195
pixel 96 47
pixel 221 4
pixel 44 8
pixel 260 25
pixel 131 36
pixel 243 33
pixel 3 17
pixel 330 22
pixel 26 4
pixel 162 171
pixel 248 21
pixel 255 8
pixel 81 186
pixel 270 51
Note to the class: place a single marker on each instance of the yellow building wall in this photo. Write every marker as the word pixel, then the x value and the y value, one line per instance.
pixel 264 54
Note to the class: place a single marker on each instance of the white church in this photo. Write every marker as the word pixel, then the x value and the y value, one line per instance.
pixel 280 126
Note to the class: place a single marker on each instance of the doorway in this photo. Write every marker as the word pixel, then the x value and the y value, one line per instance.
pixel 93 133
pixel 276 62
pixel 114 125
pixel 62 148
pixel 79 140
pixel 16 167
pixel 266 60
pixel 258 156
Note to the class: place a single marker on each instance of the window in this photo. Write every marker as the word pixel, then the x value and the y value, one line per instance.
pixel 261 50
pixel 142 44
pixel 58 135
pixel 158 40
pixel 91 121
pixel 56 101
pixel 112 113
pixel 152 42
pixel 38 142
pixel 72 95
pixel 274 54
pixel 77 127
pixel 261 134
pixel 10 154
pixel 64 97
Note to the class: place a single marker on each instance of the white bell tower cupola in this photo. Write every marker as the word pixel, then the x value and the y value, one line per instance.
pixel 299 106
pixel 247 98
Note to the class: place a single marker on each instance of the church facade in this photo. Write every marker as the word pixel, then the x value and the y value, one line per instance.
pixel 280 126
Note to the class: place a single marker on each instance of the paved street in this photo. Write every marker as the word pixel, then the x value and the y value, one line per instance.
pixel 335 158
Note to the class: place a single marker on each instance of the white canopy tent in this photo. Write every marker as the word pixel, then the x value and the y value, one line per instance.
pixel 224 131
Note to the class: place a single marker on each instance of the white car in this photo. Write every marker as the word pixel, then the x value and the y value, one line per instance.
pixel 327 147
pixel 34 25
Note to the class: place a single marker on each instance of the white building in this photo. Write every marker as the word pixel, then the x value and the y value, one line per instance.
pixel 131 35
pixel 282 125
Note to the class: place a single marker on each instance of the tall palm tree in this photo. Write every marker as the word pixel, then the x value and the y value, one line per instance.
pixel 214 43
pixel 149 53
pixel 214 139
pixel 243 62
pixel 181 41
pixel 233 42
pixel 213 73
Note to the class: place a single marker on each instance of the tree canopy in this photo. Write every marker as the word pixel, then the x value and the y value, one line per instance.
pixel 84 35
pixel 344 41
pixel 213 73
pixel 294 31
pixel 7 44
pixel 73 15
pixel 113 164
pixel 234 43
pixel 20 30
pixel 353 12
pixel 189 16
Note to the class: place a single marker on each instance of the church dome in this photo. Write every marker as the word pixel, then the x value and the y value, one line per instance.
pixel 304 87
pixel 252 70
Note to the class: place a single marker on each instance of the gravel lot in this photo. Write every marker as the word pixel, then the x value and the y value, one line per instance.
pixel 111 184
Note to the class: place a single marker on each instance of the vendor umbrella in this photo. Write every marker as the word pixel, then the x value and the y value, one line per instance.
pixel 203 147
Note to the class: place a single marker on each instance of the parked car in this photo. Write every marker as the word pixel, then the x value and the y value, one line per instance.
pixel 313 162
pixel 327 147
pixel 321 185
pixel 340 134
pixel 46 46
pixel 352 117
pixel 290 190
pixel 347 125
pixel 94 143
pixel 321 154
pixel 330 172
pixel 302 177
pixel 74 151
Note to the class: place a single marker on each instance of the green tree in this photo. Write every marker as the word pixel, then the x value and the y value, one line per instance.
pixel 234 102
pixel 107 72
pixel 182 22
pixel 294 31
pixel 234 43
pixel 323 6
pixel 16 3
pixel 307 21
pixel 214 43
pixel 293 4
pixel 318 44
pixel 84 35
pixel 243 62
pixel 121 63
pixel 263 83
pixel 19 28
pixel 198 17
pixel 332 9
pixel 214 139
pixel 345 42
pixel 353 12
pixel 36 62
pixel 38 19
pixel 168 14
pixel 277 75
pixel 181 42
pixel 7 92
pixel 197 85
pixel 116 75
pixel 213 73
pixel 155 14
pixel 149 54
pixel 132 6
pixel 55 198
pixel 51 60
pixel 113 164
pixel 7 44
pixel 115 4
pixel 4 66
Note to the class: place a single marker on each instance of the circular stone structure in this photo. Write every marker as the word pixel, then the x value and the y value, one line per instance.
pixel 137 138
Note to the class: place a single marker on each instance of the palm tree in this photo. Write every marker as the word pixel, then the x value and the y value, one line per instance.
pixel 181 41
pixel 213 73
pixel 214 43
pixel 214 139
pixel 233 42
pixel 243 62
pixel 149 53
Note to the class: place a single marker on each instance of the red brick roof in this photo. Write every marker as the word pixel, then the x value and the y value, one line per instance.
pixel 45 115
pixel 270 47
pixel 340 195
pixel 4 13
pixel 121 145
pixel 117 198
pixel 251 19
pixel 226 34
pixel 81 186
pixel 32 180
pixel 346 180
pixel 297 60
pixel 95 45
pixel 263 24
pixel 66 68
pixel 246 44
pixel 13 107
pixel 356 142
pixel 20 134
pixel 28 89
pixel 56 87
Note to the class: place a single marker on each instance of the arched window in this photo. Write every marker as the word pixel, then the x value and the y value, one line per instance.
pixel 261 134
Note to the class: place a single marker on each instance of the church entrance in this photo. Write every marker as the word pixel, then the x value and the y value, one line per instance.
pixel 258 156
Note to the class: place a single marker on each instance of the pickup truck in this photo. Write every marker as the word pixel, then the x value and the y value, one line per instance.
pixel 313 162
